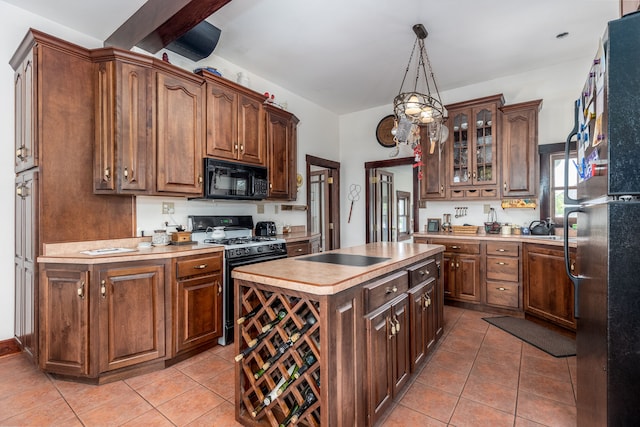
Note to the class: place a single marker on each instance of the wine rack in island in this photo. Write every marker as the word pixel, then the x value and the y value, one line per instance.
pixel 278 342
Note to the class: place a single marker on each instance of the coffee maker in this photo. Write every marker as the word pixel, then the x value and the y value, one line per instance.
pixel 446 222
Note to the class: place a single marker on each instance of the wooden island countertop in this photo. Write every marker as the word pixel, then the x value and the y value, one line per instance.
pixel 321 278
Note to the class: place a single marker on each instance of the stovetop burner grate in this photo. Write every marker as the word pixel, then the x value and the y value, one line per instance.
pixel 240 240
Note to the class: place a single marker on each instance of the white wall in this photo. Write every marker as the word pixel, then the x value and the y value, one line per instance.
pixel 558 86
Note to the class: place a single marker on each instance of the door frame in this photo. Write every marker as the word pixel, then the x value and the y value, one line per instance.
pixel 368 167
pixel 334 197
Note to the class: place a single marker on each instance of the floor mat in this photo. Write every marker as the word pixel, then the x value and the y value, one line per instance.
pixel 545 339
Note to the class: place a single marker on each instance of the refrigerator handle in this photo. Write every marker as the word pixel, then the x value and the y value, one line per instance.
pixel 567 262
pixel 568 200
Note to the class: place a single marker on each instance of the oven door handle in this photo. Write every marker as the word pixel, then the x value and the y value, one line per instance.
pixel 254 260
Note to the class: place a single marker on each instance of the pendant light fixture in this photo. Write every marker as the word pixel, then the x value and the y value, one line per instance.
pixel 417 106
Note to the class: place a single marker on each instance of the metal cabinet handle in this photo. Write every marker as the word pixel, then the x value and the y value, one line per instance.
pixel 103 288
pixel 501 263
pixel 427 301
pixel 107 174
pixel 501 288
pixel 200 267
pixel 423 272
pixel 505 186
pixel 393 327
pixel 299 250
pixel 200 179
pixel 21 153
pixel 457 265
pixel 242 148
pixel 455 247
pixel 22 191
pixel 501 250
pixel 81 290
pixel 395 318
pixel 391 290
pixel 125 173
pixel 219 288
pixel 442 188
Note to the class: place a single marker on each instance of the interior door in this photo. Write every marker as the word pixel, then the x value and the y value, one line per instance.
pixel 319 206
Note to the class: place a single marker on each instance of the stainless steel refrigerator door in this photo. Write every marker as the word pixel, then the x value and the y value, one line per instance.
pixel 608 335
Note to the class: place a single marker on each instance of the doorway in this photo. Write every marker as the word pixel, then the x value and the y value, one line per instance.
pixel 323 201
pixel 392 214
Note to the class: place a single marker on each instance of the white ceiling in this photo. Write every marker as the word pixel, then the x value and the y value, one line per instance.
pixel 350 55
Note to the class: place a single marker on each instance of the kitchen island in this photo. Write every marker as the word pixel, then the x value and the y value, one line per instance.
pixel 333 338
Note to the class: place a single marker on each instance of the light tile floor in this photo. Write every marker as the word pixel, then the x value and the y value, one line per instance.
pixel 478 376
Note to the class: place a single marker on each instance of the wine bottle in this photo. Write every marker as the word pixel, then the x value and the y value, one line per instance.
pixel 297 410
pixel 287 383
pixel 282 349
pixel 309 322
pixel 249 315
pixel 272 394
pixel 309 360
pixel 274 322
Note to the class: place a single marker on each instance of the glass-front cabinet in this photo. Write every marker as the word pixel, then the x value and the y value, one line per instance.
pixel 472 161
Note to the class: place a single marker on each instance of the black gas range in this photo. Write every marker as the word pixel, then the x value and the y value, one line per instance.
pixel 241 247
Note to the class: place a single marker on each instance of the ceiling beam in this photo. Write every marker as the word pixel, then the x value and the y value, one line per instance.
pixel 159 22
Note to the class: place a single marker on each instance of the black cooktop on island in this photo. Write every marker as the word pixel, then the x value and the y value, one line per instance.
pixel 345 259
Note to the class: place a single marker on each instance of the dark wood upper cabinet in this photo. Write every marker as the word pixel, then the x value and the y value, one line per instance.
pixel 235 124
pixel 520 160
pixel 179 133
pixel 281 153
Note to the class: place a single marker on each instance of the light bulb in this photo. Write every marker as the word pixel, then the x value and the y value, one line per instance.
pixel 412 108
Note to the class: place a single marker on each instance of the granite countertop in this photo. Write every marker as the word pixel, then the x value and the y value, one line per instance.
pixel 70 253
pixel 520 238
pixel 297 236
pixel 321 278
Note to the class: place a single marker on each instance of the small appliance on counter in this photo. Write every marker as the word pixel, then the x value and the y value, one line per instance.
pixel 542 228
pixel 265 228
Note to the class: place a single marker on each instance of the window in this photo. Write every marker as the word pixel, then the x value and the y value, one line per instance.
pixel 552 181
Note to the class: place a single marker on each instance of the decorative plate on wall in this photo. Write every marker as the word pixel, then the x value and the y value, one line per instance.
pixel 383 131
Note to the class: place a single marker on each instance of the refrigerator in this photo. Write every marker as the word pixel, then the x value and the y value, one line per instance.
pixel 607 204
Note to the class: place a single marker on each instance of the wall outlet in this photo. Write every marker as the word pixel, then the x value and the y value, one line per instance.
pixel 260 209
pixel 487 208
pixel 168 208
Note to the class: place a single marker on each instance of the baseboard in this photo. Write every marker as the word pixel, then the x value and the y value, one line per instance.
pixel 9 346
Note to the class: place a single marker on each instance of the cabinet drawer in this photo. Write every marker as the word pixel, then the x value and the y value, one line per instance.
pixel 503 294
pixel 299 248
pixel 502 268
pixel 458 247
pixel 198 266
pixel 384 290
pixel 503 249
pixel 422 272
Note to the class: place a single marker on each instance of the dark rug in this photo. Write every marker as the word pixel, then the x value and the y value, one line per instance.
pixel 538 336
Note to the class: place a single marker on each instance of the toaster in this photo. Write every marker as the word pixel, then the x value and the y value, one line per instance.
pixel 265 228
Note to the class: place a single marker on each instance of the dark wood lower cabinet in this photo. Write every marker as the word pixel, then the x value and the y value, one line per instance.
pixel 131 316
pixel 374 328
pixel 103 322
pixel 548 292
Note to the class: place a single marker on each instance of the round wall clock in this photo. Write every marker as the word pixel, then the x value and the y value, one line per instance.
pixel 383 131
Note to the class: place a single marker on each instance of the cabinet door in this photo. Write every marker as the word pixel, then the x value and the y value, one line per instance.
pixel 432 185
pixel 131 315
pixel 431 312
pixel 64 328
pixel 468 277
pixel 484 154
pixel 179 135
pixel 520 150
pixel 251 130
pixel 460 140
pixel 449 275
pixel 199 311
pixel 222 122
pixel 25 114
pixel 548 292
pixel 401 365
pixel 26 280
pixel 418 324
pixel 379 357
pixel 123 126
pixel 281 154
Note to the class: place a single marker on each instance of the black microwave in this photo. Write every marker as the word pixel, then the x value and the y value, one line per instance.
pixel 234 181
